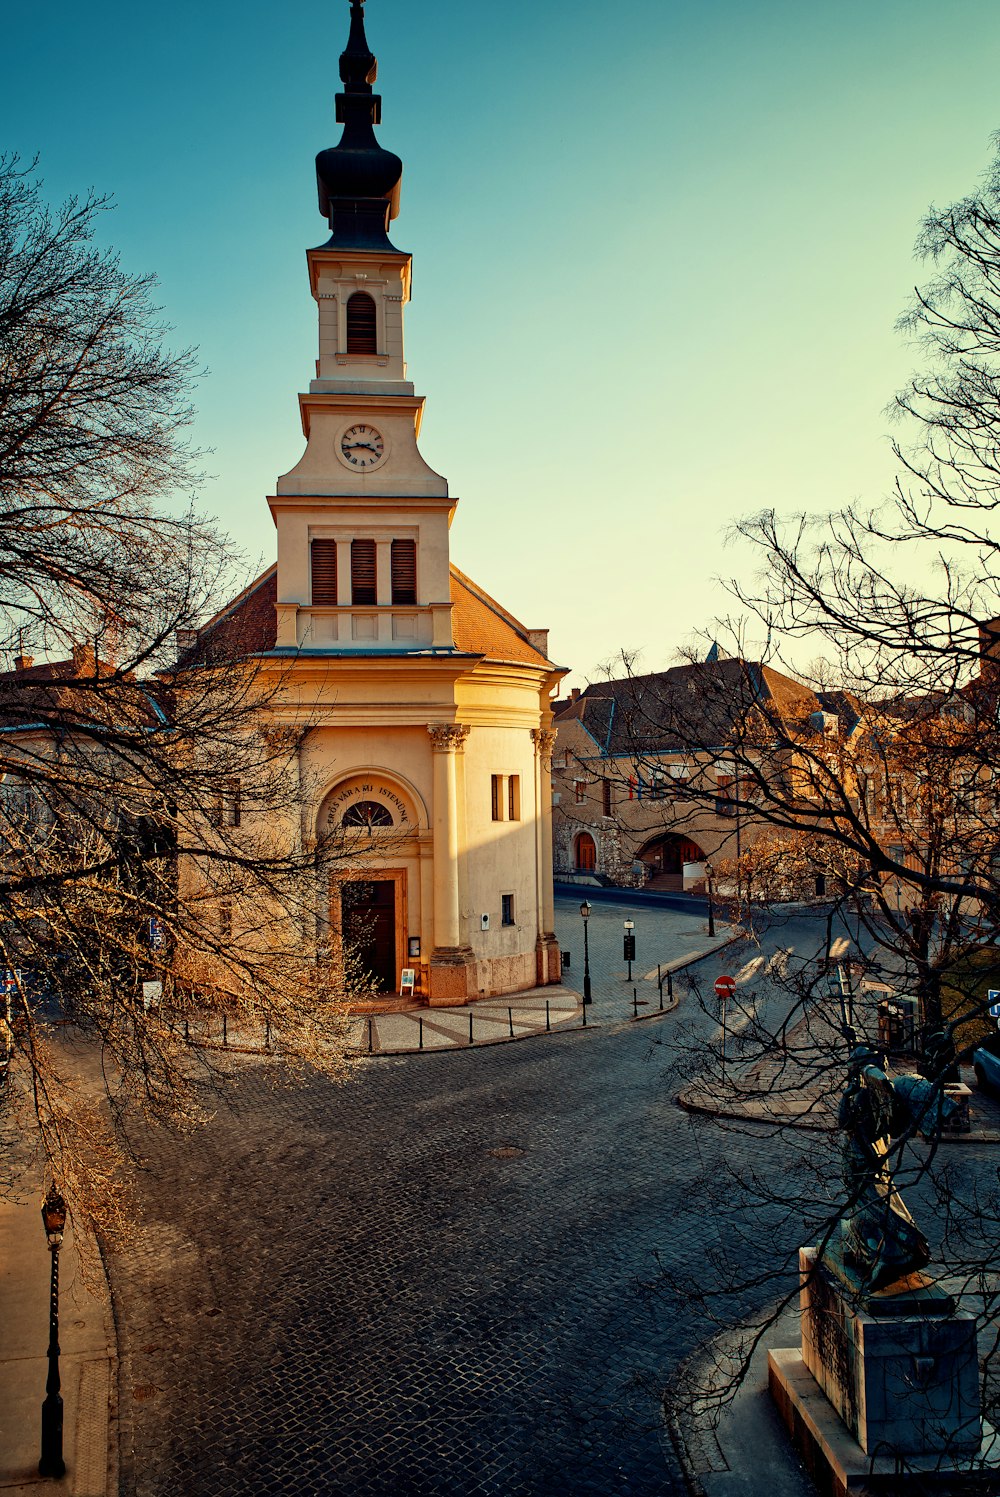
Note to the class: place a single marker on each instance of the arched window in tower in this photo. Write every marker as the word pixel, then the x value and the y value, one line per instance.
pixel 324 573
pixel 586 853
pixel 362 324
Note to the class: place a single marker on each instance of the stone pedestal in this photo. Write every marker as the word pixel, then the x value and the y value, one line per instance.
pixel 902 1372
pixel 884 1388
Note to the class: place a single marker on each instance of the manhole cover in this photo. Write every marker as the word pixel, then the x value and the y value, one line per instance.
pixel 506 1151
pixel 144 1391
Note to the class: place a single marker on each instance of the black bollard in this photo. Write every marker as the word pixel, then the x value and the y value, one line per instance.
pixel 510 1022
pixel 470 1029
pixel 420 1021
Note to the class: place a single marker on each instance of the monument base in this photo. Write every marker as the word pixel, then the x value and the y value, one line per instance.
pixel 899 1366
pixel 839 1466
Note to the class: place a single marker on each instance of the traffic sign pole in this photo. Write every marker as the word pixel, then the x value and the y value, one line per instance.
pixel 725 987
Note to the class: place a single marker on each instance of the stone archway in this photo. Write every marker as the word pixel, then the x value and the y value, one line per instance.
pixel 665 856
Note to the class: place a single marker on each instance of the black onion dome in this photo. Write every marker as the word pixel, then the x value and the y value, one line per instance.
pixel 358 181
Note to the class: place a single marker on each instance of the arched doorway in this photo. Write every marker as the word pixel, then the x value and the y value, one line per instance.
pixel 585 853
pixel 374 820
pixel 665 857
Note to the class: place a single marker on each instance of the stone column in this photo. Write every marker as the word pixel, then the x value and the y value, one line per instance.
pixel 549 963
pixel 447 740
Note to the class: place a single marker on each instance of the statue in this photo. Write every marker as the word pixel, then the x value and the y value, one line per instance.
pixel 879 1240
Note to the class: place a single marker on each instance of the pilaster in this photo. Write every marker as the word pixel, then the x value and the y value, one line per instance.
pixel 450 960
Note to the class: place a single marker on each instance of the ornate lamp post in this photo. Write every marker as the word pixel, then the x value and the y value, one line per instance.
pixel 52 1463
pixel 709 875
pixel 585 915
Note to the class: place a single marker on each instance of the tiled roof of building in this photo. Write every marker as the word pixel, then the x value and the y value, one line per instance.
pixel 248 625
pixel 707 704
pixel 81 692
pixel 483 627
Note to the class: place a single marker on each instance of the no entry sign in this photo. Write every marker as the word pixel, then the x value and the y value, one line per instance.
pixel 725 987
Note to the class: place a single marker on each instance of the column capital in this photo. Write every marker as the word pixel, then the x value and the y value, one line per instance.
pixel 544 740
pixel 447 738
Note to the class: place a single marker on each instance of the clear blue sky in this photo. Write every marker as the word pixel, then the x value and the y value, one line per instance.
pixel 659 251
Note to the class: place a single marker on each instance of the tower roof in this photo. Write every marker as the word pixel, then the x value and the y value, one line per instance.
pixel 358 181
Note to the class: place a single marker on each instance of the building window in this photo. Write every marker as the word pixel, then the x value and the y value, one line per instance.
pixel 225 919
pixel 606 796
pixel 363 572
pixel 514 797
pixel 362 324
pixel 586 853
pixel 404 571
pixel 579 792
pixel 324 573
pixel 367 813
pixel 227 808
pixel 496 796
pixel 506 909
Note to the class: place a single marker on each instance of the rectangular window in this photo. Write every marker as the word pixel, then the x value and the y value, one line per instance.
pixel 606 796
pixel 496 796
pixel 506 909
pixel 227 809
pixel 324 573
pixel 225 919
pixel 514 797
pixel 579 792
pixel 404 571
pixel 363 572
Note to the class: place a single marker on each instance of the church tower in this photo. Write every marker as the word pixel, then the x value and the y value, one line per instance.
pixel 430 705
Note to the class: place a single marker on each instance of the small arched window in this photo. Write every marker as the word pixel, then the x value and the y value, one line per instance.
pixel 586 853
pixel 367 813
pixel 362 331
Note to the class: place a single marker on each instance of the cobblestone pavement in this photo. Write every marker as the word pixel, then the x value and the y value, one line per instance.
pixel 426 1281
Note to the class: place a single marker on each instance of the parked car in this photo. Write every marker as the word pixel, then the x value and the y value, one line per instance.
pixel 986 1063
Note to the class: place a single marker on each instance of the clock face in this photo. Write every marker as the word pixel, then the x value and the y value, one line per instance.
pixel 362 446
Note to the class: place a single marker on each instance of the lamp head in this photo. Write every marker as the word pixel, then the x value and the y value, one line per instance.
pixel 585 910
pixel 54 1216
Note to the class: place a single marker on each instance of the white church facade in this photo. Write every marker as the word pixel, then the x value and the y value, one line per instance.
pixel 429 705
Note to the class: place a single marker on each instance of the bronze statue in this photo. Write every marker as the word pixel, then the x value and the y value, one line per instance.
pixel 879 1241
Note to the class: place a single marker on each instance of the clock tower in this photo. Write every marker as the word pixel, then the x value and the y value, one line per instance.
pixel 429 705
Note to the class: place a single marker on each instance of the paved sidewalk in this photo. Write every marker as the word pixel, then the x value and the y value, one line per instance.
pixel 748 1451
pixel 87 1363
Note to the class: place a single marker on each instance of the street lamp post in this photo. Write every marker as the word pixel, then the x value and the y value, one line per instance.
pixel 629 945
pixel 709 874
pixel 585 915
pixel 52 1463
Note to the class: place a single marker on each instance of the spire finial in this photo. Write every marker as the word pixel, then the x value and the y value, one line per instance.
pixel 358 64
pixel 358 181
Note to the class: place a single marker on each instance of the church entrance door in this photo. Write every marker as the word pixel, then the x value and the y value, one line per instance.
pixel 369 907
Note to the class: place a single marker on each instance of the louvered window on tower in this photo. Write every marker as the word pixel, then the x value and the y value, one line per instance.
pixel 324 573
pixel 362 331
pixel 404 571
pixel 363 572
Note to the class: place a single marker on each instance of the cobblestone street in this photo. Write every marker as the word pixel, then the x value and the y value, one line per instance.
pixel 427 1281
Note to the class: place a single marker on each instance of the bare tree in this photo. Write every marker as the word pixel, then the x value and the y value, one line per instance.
pixel 154 869
pixel 885 785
